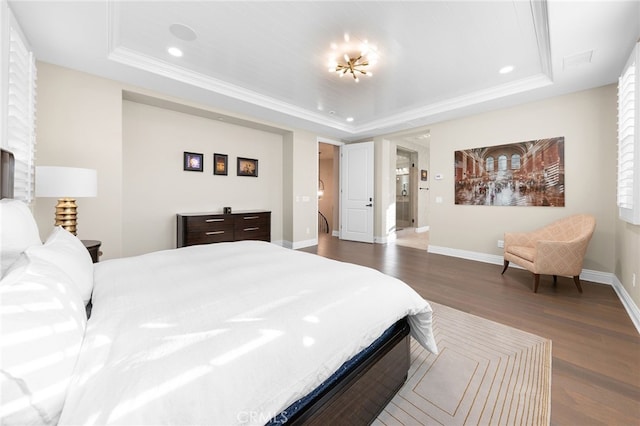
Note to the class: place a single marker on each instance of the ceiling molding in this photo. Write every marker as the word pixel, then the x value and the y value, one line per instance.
pixel 422 114
pixel 473 98
pixel 150 64
pixel 540 16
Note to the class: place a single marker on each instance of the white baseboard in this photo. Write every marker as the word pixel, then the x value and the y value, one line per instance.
pixel 422 229
pixel 586 274
pixel 627 302
pixel 301 244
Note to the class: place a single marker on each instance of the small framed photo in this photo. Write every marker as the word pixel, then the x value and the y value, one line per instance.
pixel 220 164
pixel 192 162
pixel 423 175
pixel 247 167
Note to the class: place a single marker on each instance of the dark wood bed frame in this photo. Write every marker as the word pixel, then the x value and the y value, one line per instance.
pixel 357 398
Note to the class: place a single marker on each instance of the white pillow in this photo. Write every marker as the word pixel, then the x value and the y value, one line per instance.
pixel 66 251
pixel 42 325
pixel 18 231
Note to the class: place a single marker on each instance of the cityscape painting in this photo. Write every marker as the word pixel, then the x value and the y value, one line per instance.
pixel 519 174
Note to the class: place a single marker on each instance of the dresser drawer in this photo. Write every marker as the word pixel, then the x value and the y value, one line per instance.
pixel 217 228
pixel 208 237
pixel 208 223
pixel 253 226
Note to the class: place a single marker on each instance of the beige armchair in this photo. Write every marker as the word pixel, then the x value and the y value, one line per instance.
pixel 556 249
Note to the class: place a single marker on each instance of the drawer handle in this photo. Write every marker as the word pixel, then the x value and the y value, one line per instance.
pixel 214 220
pixel 251 217
pixel 214 233
pixel 255 228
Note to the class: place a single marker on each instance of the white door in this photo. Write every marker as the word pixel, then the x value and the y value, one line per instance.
pixel 356 192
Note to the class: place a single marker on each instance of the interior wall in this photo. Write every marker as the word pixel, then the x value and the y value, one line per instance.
pixel 586 119
pixel 157 187
pixel 305 190
pixel 79 124
pixel 628 258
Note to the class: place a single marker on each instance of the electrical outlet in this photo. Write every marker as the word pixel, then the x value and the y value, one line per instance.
pixel 501 243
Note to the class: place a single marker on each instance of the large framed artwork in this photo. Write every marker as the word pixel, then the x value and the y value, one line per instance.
pixel 527 173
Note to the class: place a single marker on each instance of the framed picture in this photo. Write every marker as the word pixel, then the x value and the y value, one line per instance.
pixel 528 173
pixel 247 167
pixel 192 161
pixel 423 175
pixel 220 164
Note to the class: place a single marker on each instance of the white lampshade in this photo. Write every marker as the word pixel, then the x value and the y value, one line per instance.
pixel 66 182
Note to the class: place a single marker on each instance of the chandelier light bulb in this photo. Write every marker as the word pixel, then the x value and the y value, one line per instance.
pixel 356 59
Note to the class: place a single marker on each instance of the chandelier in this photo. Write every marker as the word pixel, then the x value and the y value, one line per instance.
pixel 354 59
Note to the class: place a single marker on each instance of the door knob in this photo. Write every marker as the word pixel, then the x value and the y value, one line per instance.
pixel 369 205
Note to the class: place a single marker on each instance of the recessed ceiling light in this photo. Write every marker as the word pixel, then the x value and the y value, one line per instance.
pixel 349 119
pixel 174 51
pixel 182 32
pixel 506 70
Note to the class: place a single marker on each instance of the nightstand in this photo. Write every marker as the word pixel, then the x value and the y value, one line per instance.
pixel 94 249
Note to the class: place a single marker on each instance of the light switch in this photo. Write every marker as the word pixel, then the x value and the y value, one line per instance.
pixel 439 200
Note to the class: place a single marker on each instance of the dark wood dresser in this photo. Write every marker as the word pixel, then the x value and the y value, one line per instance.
pixel 206 228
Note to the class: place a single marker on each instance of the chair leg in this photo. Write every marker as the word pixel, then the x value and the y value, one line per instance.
pixel 536 282
pixel 506 265
pixel 576 279
pixel 555 280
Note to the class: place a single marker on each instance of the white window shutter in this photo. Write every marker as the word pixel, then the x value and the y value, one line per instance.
pixel 629 139
pixel 21 111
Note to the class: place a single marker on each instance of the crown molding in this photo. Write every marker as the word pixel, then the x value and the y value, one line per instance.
pixel 135 59
pixel 153 65
pixel 473 98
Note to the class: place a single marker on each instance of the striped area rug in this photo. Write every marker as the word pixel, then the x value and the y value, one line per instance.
pixel 485 374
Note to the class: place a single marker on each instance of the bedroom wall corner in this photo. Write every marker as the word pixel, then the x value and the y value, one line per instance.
pixel 157 187
pixel 305 189
pixel 587 121
pixel 79 124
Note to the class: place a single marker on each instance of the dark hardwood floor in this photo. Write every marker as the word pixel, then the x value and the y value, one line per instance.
pixel 596 348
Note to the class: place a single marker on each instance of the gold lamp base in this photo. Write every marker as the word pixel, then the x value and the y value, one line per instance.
pixel 66 214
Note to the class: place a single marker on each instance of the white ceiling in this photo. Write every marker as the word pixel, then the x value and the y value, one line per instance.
pixel 268 60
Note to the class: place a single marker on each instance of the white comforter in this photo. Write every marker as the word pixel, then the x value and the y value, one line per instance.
pixel 228 333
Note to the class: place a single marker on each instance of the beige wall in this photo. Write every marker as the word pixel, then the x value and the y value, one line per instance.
pixel 156 186
pixel 80 123
pixel 586 119
pixel 628 258
pixel 305 190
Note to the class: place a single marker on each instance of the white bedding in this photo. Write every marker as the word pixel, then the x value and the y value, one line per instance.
pixel 228 333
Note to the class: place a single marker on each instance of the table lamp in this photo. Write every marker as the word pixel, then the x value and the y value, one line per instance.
pixel 66 184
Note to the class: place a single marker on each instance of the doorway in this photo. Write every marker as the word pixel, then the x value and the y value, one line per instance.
pixel 328 179
pixel 406 181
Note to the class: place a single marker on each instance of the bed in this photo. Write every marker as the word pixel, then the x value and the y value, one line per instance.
pixel 231 333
